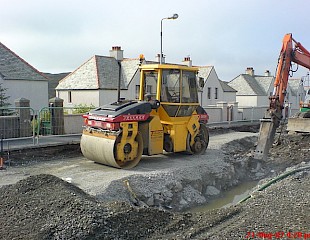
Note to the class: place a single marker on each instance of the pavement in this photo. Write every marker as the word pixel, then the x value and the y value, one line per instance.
pixel 41 141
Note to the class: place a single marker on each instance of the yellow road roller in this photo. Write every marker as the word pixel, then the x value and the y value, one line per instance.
pixel 167 117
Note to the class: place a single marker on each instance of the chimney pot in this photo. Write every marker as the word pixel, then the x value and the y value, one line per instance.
pixel 117 53
pixel 249 71
pixel 157 57
pixel 188 61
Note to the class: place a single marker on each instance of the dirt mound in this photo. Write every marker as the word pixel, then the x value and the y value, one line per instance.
pixel 46 207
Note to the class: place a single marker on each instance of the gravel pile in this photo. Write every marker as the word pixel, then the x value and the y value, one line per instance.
pixel 46 207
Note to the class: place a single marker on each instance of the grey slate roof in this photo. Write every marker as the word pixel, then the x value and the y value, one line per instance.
pixel 246 84
pixel 15 68
pixel 264 82
pixel 100 72
pixel 226 87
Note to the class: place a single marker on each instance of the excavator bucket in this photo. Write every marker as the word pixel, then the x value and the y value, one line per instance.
pixel 266 137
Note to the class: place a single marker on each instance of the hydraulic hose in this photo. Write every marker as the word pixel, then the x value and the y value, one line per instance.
pixel 272 181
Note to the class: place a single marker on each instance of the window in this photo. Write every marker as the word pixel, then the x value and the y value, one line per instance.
pixel 209 93
pixel 170 91
pixel 69 97
pixel 150 84
pixel 201 82
pixel 216 93
pixel 137 91
pixel 189 87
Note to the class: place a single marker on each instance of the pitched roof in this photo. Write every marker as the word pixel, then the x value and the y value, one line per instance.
pixel 226 87
pixel 15 68
pixel 246 84
pixel 100 72
pixel 129 69
pixel 205 71
pixel 264 82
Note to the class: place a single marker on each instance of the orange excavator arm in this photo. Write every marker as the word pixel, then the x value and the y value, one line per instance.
pixel 291 51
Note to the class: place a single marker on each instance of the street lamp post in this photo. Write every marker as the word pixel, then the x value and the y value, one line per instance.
pixel 174 16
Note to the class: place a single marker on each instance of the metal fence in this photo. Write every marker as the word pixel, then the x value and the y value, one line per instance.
pixel 16 122
pixel 60 120
pixel 27 126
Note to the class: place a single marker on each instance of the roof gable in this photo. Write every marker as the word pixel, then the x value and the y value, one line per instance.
pixel 85 77
pixel 247 85
pixel 226 87
pixel 13 67
pixel 264 82
pixel 129 69
pixel 205 71
pixel 100 72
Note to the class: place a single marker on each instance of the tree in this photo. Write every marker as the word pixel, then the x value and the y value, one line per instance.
pixel 4 104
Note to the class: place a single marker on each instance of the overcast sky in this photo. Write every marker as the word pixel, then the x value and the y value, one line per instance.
pixel 59 35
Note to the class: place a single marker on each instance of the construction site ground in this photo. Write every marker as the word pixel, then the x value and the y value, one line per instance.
pixel 55 193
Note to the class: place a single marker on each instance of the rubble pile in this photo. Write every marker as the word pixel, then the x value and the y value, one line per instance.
pixel 46 207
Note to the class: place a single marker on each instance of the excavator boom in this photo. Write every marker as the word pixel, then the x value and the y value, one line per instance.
pixel 291 51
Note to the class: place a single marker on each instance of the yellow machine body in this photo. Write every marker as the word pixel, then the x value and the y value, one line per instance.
pixel 167 117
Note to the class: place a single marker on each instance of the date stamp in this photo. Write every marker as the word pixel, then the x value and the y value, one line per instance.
pixel 278 235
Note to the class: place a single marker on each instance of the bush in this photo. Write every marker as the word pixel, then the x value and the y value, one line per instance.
pixel 82 108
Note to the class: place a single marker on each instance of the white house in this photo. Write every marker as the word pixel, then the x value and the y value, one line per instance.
pixel 212 89
pixel 95 82
pixel 254 90
pixel 22 80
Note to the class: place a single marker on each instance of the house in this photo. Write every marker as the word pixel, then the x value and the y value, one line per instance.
pixel 22 80
pixel 214 90
pixel 254 90
pixel 95 82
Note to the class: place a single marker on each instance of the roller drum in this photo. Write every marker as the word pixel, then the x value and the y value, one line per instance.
pixel 102 149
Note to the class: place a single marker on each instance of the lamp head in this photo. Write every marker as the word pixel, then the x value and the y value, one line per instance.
pixel 174 16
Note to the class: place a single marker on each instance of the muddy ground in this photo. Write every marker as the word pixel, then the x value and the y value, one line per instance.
pixel 46 207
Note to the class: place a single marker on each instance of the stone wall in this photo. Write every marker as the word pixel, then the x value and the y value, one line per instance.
pixel 19 123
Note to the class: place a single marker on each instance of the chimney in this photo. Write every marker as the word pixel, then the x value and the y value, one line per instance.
pixel 117 53
pixel 249 71
pixel 187 61
pixel 157 58
pixel 267 73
